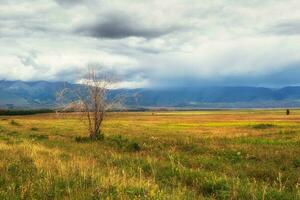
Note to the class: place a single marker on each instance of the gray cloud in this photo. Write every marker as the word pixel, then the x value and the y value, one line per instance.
pixel 116 26
pixel 286 28
pixel 69 2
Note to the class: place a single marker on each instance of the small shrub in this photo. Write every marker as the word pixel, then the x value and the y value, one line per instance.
pixel 263 126
pixel 81 139
pixel 99 136
pixel 123 143
pixel 133 146
pixel 13 134
pixel 296 162
pixel 14 123
pixel 233 156
pixel 39 137
pixel 118 140
pixel 34 129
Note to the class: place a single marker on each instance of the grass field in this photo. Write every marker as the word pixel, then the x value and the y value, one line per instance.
pixel 160 155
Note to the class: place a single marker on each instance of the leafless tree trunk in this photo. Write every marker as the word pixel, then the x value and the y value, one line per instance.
pixel 91 99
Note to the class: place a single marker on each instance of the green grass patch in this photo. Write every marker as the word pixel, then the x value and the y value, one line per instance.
pixel 265 141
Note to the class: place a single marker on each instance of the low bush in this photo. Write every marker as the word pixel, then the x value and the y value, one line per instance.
pixel 81 139
pixel 39 137
pixel 296 162
pixel 123 143
pixel 263 126
pixel 14 123
pixel 13 134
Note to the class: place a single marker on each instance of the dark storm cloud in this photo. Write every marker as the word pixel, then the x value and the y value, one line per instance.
pixel 117 26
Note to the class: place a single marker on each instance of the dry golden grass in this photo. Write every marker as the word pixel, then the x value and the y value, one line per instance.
pixel 182 155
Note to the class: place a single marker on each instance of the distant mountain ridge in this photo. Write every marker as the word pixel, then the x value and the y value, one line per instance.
pixel 38 94
pixel 42 94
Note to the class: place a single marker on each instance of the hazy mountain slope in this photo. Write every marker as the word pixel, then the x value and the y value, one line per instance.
pixel 41 94
pixel 30 94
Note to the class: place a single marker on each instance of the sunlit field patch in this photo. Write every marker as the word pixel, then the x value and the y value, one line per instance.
pixel 153 155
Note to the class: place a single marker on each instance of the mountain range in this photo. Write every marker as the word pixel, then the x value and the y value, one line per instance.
pixel 42 94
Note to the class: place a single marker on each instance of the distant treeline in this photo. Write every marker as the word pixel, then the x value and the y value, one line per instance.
pixel 25 112
pixel 9 112
pixel 41 111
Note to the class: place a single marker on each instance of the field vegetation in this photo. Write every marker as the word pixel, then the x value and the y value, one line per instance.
pixel 152 155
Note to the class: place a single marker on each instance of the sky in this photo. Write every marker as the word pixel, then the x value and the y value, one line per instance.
pixel 153 43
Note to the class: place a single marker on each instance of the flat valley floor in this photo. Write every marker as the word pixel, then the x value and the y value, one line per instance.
pixel 240 154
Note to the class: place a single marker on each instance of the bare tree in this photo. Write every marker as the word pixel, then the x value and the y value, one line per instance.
pixel 91 99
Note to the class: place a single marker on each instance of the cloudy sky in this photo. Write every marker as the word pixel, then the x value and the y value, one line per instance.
pixel 153 42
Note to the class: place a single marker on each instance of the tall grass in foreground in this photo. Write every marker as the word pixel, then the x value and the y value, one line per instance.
pixel 150 157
